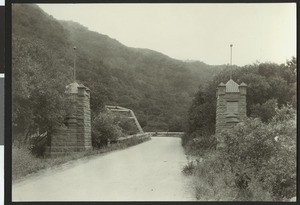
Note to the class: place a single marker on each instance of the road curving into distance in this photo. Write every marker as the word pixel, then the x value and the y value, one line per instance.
pixel 150 171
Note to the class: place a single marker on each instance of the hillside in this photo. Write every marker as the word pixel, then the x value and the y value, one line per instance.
pixel 158 88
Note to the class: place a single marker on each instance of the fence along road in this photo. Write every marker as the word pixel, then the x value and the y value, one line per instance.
pixel 150 171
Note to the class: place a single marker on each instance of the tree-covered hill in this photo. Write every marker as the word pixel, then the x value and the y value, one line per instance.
pixel 243 169
pixel 158 88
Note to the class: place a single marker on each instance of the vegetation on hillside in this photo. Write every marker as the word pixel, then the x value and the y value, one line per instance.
pixel 258 161
pixel 268 85
pixel 157 88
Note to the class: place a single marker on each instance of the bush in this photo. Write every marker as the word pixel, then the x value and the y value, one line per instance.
pixel 37 144
pixel 258 161
pixel 264 111
pixel 189 168
pixel 199 144
pixel 266 153
pixel 24 162
pixel 214 179
pixel 128 126
pixel 104 129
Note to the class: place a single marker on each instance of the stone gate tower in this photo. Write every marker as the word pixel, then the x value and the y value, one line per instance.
pixel 76 135
pixel 231 105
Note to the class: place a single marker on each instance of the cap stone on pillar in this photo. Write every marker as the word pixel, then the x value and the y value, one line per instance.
pixel 72 88
pixel 88 91
pixel 243 88
pixel 221 89
pixel 81 90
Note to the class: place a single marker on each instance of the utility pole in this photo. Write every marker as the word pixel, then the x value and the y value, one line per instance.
pixel 74 70
pixel 231 61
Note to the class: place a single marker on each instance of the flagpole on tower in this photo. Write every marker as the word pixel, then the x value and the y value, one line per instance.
pixel 231 61
pixel 74 70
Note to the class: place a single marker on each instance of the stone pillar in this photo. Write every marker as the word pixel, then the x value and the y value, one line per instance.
pixel 231 106
pixel 242 101
pixel 231 120
pixel 63 139
pixel 71 134
pixel 84 118
pixel 75 136
pixel 221 107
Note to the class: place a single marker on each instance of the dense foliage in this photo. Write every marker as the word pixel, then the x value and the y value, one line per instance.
pixel 258 161
pixel 105 128
pixel 266 153
pixel 268 84
pixel 38 88
pixel 128 126
pixel 159 89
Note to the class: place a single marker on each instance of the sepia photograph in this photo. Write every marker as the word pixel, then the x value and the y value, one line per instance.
pixel 153 102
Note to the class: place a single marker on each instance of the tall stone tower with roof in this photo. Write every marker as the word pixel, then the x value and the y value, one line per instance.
pixel 76 135
pixel 231 105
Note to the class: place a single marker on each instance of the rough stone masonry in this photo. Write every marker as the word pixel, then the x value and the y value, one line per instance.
pixel 75 136
pixel 231 106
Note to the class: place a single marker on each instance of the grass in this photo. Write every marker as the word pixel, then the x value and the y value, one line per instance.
pixel 215 182
pixel 24 163
pixel 189 168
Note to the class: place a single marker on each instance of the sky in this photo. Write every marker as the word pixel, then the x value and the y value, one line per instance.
pixel 258 32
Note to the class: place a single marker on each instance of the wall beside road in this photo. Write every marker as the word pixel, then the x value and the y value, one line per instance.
pixel 140 137
pixel 166 134
pixel 146 136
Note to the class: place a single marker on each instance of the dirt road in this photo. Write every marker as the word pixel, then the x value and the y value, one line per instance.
pixel 150 171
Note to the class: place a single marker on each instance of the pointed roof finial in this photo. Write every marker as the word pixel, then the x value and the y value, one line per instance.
pixel 74 69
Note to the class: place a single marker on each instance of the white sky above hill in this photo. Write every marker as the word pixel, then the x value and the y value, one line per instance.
pixel 258 32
